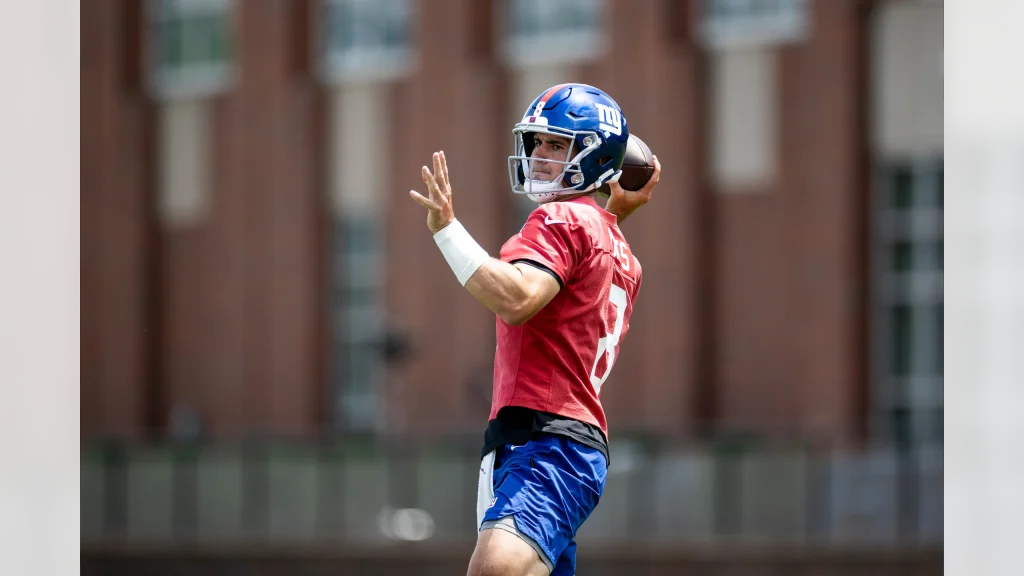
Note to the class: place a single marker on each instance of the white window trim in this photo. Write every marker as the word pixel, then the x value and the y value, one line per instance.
pixel 367 65
pixel 196 82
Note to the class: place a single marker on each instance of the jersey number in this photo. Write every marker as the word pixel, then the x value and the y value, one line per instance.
pixel 608 344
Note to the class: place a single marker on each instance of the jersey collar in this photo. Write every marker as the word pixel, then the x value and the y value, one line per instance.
pixel 608 216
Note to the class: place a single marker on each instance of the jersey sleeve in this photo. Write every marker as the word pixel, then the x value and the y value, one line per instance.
pixel 555 242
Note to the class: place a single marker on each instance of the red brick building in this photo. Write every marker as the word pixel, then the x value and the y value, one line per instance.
pixel 249 252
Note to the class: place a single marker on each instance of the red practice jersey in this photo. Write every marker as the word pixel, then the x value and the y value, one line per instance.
pixel 557 361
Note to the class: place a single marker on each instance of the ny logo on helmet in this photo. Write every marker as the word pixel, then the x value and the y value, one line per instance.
pixel 610 119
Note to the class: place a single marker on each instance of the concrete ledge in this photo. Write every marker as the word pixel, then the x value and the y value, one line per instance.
pixel 269 559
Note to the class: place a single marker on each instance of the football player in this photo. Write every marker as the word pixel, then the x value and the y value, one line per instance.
pixel 563 289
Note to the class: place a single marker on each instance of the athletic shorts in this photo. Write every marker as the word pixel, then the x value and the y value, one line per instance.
pixel 542 491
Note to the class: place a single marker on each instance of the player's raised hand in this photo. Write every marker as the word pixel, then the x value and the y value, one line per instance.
pixel 622 202
pixel 439 200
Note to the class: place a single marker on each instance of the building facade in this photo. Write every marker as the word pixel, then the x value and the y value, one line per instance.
pixel 251 262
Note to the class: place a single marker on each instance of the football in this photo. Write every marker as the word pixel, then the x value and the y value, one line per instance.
pixel 637 166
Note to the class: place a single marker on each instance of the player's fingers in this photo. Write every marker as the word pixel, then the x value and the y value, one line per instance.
pixel 423 201
pixel 444 173
pixel 437 191
pixel 428 179
pixel 655 177
pixel 442 182
pixel 616 188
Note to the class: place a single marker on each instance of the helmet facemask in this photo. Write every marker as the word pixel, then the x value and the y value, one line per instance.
pixel 569 174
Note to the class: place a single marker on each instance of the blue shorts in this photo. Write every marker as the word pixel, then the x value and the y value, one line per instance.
pixel 543 491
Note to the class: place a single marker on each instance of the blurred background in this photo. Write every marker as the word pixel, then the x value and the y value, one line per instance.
pixel 281 376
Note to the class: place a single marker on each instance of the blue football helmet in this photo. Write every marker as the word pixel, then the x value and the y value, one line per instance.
pixel 598 135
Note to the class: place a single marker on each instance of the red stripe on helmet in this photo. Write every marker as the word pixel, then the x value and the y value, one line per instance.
pixel 551 92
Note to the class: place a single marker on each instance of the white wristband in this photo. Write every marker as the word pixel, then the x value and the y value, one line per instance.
pixel 461 252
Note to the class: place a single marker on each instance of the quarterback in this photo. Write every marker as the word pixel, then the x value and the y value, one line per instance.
pixel 562 290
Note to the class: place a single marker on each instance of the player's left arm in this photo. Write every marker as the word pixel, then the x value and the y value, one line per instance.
pixel 515 292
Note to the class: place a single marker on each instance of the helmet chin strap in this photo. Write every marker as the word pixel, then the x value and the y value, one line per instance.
pixel 542 198
pixel 541 191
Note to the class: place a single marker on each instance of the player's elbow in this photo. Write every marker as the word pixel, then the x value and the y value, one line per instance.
pixel 515 320
pixel 513 317
pixel 517 313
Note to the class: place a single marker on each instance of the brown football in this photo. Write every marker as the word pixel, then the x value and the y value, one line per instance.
pixel 637 166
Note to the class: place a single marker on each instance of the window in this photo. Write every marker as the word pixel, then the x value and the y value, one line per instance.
pixel 553 31
pixel 192 46
pixel 367 38
pixel 736 23
pixel 909 302
pixel 358 314
pixel 356 191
